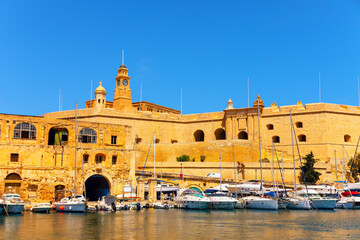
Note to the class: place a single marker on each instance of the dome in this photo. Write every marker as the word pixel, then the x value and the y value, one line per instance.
pixel 230 104
pixel 259 102
pixel 100 89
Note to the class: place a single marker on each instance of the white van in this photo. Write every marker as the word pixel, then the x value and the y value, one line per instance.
pixel 217 175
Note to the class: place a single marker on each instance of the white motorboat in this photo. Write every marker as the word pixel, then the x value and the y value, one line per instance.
pixel 41 208
pixel 76 203
pixel 221 201
pixel 256 202
pixel 250 186
pixel 323 189
pixel 12 203
pixel 191 199
pixel 317 201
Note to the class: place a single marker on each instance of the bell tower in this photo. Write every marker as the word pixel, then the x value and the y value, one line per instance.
pixel 122 95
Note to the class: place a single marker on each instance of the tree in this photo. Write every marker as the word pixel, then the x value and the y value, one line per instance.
pixel 310 174
pixel 355 169
pixel 183 158
pixel 202 158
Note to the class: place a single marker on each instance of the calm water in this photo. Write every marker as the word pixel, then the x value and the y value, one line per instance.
pixel 182 224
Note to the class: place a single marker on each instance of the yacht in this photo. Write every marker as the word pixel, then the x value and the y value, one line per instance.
pixel 221 201
pixel 349 200
pixel 298 202
pixel 12 203
pixel 317 201
pixel 256 202
pixel 191 199
pixel 75 203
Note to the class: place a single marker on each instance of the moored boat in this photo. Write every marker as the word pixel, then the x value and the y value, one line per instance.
pixel 256 202
pixel 191 199
pixel 41 208
pixel 221 201
pixel 75 203
pixel 317 201
pixel 12 203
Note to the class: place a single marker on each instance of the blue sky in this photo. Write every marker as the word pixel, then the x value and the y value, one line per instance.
pixel 207 48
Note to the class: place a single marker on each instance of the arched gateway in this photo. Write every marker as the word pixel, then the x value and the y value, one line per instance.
pixel 96 186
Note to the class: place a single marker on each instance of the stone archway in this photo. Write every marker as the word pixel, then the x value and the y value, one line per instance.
pixel 12 183
pixel 96 187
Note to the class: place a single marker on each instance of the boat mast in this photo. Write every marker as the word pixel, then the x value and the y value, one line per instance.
pixel 292 144
pixel 337 180
pixel 220 171
pixel 154 156
pixel 234 162
pixel 75 145
pixel 261 177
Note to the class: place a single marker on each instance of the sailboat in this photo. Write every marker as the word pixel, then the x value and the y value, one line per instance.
pixel 219 200
pixel 259 202
pixel 76 202
pixel 296 201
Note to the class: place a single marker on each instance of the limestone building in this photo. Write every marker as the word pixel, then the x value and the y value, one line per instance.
pixel 112 139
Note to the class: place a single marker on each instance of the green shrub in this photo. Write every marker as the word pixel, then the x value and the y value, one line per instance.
pixel 202 158
pixel 183 158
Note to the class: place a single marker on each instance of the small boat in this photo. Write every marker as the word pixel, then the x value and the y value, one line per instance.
pixel 75 203
pixel 256 202
pixel 349 200
pixel 160 205
pixel 221 201
pixel 107 203
pixel 41 208
pixel 12 203
pixel 191 199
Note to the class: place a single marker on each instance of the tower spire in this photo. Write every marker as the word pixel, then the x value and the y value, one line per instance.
pixel 123 58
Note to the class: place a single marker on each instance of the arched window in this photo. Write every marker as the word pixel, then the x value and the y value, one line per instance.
pixel 276 139
pixel 220 134
pixel 299 124
pixel 25 131
pixel 270 127
pixel 114 160
pixel 58 136
pixel 243 135
pixel 13 176
pixel 199 136
pixel 87 135
pixel 347 138
pixel 302 138
pixel 99 158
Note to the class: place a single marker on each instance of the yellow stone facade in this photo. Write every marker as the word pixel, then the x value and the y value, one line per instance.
pixel 126 130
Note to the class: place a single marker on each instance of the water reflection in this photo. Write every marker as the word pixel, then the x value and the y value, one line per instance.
pixel 180 224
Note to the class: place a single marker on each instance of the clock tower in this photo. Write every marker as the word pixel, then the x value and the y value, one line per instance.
pixel 122 95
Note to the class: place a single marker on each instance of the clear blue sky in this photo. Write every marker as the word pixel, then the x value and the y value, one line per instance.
pixel 207 48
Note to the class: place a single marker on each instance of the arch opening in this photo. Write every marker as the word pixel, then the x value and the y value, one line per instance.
pixel 347 138
pixel 58 136
pixel 13 183
pixel 60 192
pixel 96 187
pixel 302 138
pixel 199 136
pixel 243 135
pixel 276 139
pixel 220 134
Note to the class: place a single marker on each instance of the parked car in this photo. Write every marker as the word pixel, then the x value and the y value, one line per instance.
pixel 217 175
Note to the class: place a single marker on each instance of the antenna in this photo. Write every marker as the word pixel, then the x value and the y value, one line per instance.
pixel 180 100
pixel 140 96
pixel 248 87
pixel 123 59
pixel 319 88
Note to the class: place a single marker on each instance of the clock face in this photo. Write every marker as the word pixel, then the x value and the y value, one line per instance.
pixel 125 82
pixel 118 82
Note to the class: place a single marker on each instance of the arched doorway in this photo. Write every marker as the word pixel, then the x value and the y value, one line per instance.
pixel 60 192
pixel 199 136
pixel 220 134
pixel 96 186
pixel 13 183
pixel 58 136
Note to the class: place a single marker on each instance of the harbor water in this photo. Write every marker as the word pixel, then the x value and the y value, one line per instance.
pixel 182 224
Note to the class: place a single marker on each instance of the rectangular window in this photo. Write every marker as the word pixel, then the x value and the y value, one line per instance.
pixel 14 157
pixel 114 159
pixel 85 158
pixel 98 159
pixel 113 139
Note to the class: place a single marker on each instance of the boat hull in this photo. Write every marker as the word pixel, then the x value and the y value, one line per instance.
pixel 261 203
pixel 63 207
pixel 219 205
pixel 14 208
pixel 324 203
pixel 299 205
pixel 196 205
pixel 344 205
